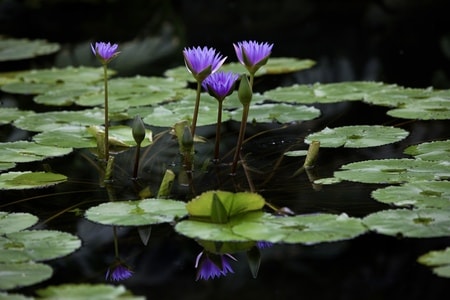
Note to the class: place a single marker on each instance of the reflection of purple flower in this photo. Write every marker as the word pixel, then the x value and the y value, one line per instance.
pixel 105 51
pixel 252 54
pixel 211 265
pixel 220 84
pixel 263 244
pixel 118 271
pixel 202 62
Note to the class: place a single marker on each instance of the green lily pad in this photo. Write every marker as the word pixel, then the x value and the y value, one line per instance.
pixel 73 136
pixel 233 204
pixel 357 136
pixel 87 291
pixel 26 88
pixel 52 120
pixel 24 151
pixel 137 212
pixel 17 49
pixel 282 113
pixel 38 245
pixel 6 165
pixel 418 194
pixel 398 96
pixel 12 222
pixel 9 114
pixel 29 180
pixel 17 275
pixel 66 94
pixel 428 109
pixel 417 223
pixel 13 296
pixel 393 171
pixel 435 151
pixel 304 229
pixel 438 260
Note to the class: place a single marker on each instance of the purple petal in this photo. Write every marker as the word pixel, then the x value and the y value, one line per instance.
pixel 254 51
pixel 199 59
pixel 220 84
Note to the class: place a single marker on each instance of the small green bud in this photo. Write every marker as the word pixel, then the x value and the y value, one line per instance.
pixel 138 130
pixel 245 91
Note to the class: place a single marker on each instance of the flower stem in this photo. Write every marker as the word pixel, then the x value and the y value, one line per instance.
pixel 240 138
pixel 136 161
pixel 218 125
pixel 197 104
pixel 105 75
pixel 116 242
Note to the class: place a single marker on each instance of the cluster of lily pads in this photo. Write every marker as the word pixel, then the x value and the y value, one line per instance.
pixel 224 222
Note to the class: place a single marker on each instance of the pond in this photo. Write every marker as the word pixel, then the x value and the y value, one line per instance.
pixel 366 215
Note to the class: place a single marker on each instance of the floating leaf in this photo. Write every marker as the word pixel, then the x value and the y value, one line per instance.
pixel 12 222
pixel 87 291
pixel 398 96
pixel 437 150
pixel 24 151
pixel 16 49
pixel 66 94
pixel 9 114
pixel 429 109
pixel 6 165
pixel 23 274
pixel 73 136
pixel 393 171
pixel 282 113
pixel 233 203
pixel 7 296
pixel 357 136
pixel 54 119
pixel 418 194
pixel 418 223
pixel 39 244
pixel 29 180
pixel 137 213
pixel 439 260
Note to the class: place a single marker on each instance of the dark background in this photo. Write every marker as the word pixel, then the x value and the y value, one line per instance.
pixel 397 41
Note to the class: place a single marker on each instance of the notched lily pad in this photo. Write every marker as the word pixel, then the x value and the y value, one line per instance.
pixel 17 49
pixel 393 171
pixel 429 109
pixel 15 275
pixel 418 223
pixel 418 194
pixel 24 151
pixel 435 151
pixel 282 113
pixel 38 245
pixel 9 114
pixel 137 212
pixel 29 180
pixel 438 260
pixel 357 136
pixel 12 222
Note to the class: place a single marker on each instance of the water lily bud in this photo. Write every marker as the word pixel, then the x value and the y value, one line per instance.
pixel 138 130
pixel 187 141
pixel 245 91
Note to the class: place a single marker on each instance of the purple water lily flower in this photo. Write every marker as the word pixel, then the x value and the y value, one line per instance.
pixel 105 52
pixel 252 54
pixel 118 271
pixel 211 265
pixel 202 62
pixel 263 244
pixel 220 84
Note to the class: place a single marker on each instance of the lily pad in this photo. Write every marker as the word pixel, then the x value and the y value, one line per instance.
pixel 429 109
pixel 24 151
pixel 233 204
pixel 438 260
pixel 137 212
pixel 9 114
pixel 17 275
pixel 38 245
pixel 357 136
pixel 418 194
pixel 282 113
pixel 398 96
pixel 87 291
pixel 12 222
pixel 305 229
pixel 17 49
pixel 29 180
pixel 393 171
pixel 435 151
pixel 417 223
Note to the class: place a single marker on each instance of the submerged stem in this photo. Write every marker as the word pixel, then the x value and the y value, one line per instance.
pixel 136 161
pixel 218 126
pixel 197 104
pixel 116 242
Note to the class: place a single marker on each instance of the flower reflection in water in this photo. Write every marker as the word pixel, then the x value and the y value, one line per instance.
pixel 210 265
pixel 118 271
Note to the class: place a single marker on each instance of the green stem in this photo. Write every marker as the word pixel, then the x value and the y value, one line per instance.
pixel 219 123
pixel 240 138
pixel 197 104
pixel 116 242
pixel 136 161
pixel 105 75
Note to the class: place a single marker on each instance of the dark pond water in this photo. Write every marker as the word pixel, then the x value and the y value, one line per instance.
pixel 390 41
